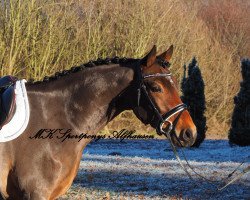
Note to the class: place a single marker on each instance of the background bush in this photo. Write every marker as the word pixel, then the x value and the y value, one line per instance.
pixel 192 87
pixel 40 37
pixel 240 128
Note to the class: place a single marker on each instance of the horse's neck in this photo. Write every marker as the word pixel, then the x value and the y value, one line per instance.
pixel 84 99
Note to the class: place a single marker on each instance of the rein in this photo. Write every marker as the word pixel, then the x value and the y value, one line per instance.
pixel 162 119
pixel 244 171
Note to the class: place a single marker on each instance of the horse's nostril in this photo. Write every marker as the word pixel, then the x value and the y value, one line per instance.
pixel 187 135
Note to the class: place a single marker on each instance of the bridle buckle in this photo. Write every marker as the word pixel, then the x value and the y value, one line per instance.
pixel 170 127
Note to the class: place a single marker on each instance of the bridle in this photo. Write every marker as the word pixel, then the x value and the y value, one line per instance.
pixel 162 119
pixel 170 132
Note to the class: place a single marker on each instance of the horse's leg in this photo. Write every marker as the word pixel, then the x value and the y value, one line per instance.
pixel 4 171
pixel 3 183
pixel 10 191
pixel 38 177
pixel 16 190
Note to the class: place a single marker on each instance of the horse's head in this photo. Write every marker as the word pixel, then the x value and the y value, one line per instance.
pixel 159 103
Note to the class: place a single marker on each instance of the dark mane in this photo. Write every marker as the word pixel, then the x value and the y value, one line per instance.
pixel 98 62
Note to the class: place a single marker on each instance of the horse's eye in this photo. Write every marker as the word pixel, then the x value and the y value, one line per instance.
pixel 153 87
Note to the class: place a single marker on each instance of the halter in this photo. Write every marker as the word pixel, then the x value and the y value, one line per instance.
pixel 162 119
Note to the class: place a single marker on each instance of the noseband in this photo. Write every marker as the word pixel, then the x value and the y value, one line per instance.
pixel 162 119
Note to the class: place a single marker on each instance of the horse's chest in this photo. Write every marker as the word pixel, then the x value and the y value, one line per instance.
pixel 68 174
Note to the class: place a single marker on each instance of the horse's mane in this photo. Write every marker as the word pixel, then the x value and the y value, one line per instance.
pixel 90 64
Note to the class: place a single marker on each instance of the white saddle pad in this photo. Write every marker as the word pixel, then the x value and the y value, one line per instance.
pixel 20 120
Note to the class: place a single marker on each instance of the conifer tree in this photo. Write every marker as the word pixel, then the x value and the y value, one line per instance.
pixel 193 96
pixel 240 126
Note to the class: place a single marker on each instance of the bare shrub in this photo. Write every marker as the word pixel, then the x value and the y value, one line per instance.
pixel 38 38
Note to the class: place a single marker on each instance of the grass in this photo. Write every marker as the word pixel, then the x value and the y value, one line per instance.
pixel 40 37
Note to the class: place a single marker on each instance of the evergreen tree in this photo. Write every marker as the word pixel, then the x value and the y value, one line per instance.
pixel 193 96
pixel 240 127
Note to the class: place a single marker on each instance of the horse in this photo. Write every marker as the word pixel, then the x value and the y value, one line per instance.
pixel 39 166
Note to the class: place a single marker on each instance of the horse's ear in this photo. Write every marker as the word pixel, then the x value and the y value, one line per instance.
pixel 167 54
pixel 150 58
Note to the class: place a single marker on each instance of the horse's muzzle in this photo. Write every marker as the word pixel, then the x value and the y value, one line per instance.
pixel 186 138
